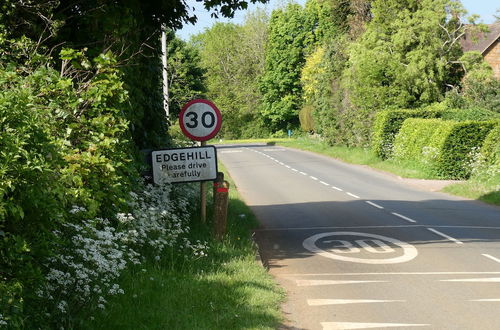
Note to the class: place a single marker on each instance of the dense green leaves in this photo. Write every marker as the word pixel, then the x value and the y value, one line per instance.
pixel 289 33
pixel 233 58
pixel 446 147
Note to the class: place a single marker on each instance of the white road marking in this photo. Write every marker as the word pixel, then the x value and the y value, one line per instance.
pixel 323 182
pixel 230 151
pixel 331 282
pixel 325 302
pixel 392 273
pixel 352 195
pixel 356 325
pixel 486 300
pixel 303 173
pixel 403 217
pixel 337 188
pixel 484 280
pixel 491 257
pixel 314 178
pixel 445 236
pixel 409 251
pixel 375 205
pixel 287 166
pixel 295 170
pixel 373 227
pixel 274 149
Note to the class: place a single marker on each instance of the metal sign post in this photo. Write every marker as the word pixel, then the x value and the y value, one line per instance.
pixel 200 120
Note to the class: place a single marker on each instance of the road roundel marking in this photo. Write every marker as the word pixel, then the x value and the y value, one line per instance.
pixel 200 120
pixel 344 249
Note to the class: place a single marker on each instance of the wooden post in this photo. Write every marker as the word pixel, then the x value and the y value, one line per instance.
pixel 221 201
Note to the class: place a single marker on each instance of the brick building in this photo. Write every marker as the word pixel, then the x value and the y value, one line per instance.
pixel 488 44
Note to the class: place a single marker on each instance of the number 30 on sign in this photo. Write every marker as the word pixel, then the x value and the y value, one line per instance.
pixel 200 120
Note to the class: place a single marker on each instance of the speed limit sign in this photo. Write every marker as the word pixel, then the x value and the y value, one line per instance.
pixel 200 120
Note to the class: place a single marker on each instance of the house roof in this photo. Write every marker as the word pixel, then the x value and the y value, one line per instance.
pixel 479 41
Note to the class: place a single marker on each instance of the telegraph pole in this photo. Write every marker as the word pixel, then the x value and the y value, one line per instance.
pixel 164 71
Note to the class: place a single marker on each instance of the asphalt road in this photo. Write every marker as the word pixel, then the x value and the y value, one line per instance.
pixel 358 249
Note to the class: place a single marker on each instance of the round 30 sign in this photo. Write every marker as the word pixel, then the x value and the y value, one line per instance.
pixel 200 120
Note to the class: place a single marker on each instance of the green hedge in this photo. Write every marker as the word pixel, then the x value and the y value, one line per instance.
pixel 491 146
pixel 387 124
pixel 446 146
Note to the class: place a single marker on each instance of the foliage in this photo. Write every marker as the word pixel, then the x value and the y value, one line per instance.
pixel 185 75
pixel 306 119
pixel 490 150
pixel 405 59
pixel 289 33
pixel 387 124
pixel 479 87
pixel 233 58
pixel 445 146
pixel 92 254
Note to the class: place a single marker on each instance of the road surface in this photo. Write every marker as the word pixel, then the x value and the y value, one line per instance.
pixel 357 249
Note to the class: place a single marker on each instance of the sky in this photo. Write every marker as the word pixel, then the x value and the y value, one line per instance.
pixel 484 8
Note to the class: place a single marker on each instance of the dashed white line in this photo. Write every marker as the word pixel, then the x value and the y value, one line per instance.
pixel 445 236
pixel 352 195
pixel 303 173
pixel 295 170
pixel 323 182
pixel 314 178
pixel 357 325
pixel 486 300
pixel 403 217
pixel 374 205
pixel 337 188
pixel 331 282
pixel 491 257
pixel 287 166
pixel 325 302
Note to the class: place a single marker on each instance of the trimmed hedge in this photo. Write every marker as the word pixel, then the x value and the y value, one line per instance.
pixel 444 145
pixel 491 146
pixel 387 124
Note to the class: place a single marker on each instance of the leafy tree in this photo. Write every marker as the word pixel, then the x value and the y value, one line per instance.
pixel 405 59
pixel 233 58
pixel 289 34
pixel 185 75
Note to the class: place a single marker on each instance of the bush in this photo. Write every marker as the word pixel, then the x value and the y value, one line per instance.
pixel 491 146
pixel 475 113
pixel 387 124
pixel 446 146
pixel 306 118
pixel 415 139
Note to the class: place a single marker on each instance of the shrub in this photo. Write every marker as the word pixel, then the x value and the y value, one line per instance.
pixel 415 139
pixel 387 124
pixel 491 146
pixel 447 146
pixel 306 118
pixel 470 114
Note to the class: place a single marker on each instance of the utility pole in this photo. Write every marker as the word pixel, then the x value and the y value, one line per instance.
pixel 164 71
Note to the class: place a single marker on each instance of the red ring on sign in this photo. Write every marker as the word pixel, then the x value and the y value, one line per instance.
pixel 217 114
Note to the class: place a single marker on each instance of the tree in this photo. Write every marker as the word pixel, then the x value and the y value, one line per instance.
pixel 233 57
pixel 406 58
pixel 186 77
pixel 289 34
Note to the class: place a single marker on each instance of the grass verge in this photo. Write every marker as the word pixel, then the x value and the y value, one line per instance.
pixel 228 289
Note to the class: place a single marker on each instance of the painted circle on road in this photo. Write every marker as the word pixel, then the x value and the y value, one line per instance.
pixel 371 244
